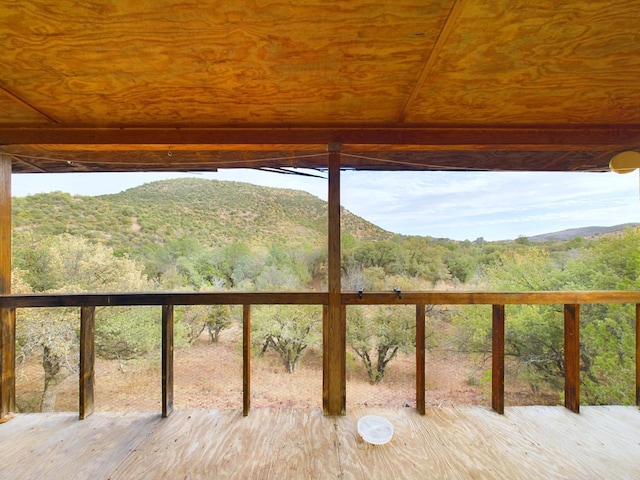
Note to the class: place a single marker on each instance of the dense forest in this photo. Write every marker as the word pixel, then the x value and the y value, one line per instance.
pixel 200 235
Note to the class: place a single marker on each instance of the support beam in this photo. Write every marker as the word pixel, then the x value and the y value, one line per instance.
pixel 499 137
pixel 497 361
pixel 638 354
pixel 334 388
pixel 167 360
pixel 7 315
pixel 572 357
pixel 87 360
pixel 421 313
pixel 246 359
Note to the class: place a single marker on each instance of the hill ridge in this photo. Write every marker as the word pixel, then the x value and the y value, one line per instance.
pixel 215 212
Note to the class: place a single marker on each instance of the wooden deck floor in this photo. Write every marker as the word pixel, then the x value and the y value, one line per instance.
pixel 446 443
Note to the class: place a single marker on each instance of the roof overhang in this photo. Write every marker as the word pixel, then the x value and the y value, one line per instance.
pixel 406 85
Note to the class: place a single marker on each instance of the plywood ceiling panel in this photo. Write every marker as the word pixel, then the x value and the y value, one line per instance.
pixel 523 62
pixel 409 84
pixel 187 61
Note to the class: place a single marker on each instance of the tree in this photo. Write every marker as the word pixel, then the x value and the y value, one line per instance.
pixel 377 337
pixel 288 330
pixel 608 331
pixel 66 264
pixel 213 318
pixel 533 333
pixel 238 265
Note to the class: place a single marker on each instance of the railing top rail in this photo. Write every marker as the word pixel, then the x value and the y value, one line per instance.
pixel 162 298
pixel 317 298
pixel 491 298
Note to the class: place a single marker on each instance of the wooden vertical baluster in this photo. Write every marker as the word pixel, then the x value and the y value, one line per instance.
pixel 497 359
pixel 87 361
pixel 167 360
pixel 572 357
pixel 246 359
pixel 420 358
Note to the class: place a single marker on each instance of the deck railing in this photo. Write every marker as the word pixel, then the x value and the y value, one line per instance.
pixel 88 302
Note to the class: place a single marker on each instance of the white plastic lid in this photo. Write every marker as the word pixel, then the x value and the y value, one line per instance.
pixel 375 429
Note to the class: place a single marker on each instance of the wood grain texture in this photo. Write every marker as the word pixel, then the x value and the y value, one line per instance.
pixel 87 361
pixel 497 358
pixel 319 298
pixel 638 355
pixel 334 336
pixel 7 315
pixel 572 357
pixel 370 72
pixel 167 360
pixel 445 443
pixel 420 358
pixel 246 359
pixel 190 61
pixel 530 62
pixel 5 224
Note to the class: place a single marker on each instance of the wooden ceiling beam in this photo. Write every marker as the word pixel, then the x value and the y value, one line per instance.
pixel 467 137
pixel 447 28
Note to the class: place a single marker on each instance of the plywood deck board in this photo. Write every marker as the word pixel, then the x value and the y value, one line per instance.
pixel 60 446
pixel 445 443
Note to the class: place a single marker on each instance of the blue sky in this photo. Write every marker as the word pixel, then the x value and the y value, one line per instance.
pixel 457 205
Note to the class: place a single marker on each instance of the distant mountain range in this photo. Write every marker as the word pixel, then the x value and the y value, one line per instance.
pixel 213 212
pixel 585 232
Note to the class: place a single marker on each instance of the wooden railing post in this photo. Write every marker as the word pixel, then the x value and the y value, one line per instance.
pixel 638 354
pixel 246 359
pixel 334 343
pixel 87 360
pixel 572 357
pixel 167 360
pixel 497 359
pixel 7 315
pixel 7 361
pixel 421 313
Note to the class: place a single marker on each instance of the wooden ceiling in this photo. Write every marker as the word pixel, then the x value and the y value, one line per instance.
pixel 178 85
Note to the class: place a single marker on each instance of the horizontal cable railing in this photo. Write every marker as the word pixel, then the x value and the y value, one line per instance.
pixel 571 300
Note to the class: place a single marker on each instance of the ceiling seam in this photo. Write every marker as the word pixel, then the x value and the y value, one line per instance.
pixel 27 105
pixel 447 28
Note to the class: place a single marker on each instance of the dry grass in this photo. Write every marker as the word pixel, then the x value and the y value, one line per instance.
pixel 210 376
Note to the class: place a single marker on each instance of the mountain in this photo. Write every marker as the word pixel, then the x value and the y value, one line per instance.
pixel 214 212
pixel 585 232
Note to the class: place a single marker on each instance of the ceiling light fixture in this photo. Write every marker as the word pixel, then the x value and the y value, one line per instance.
pixel 625 162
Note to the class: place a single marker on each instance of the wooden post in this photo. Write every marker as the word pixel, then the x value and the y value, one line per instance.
pixel 497 359
pixel 572 357
pixel 638 354
pixel 421 313
pixel 246 359
pixel 7 315
pixel 334 344
pixel 87 360
pixel 167 360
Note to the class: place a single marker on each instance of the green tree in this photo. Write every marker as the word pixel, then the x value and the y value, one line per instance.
pixel 533 333
pixel 67 264
pixel 212 318
pixel 377 336
pixel 239 265
pixel 608 331
pixel 288 330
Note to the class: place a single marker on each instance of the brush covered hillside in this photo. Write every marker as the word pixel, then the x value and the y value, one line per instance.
pixel 215 213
